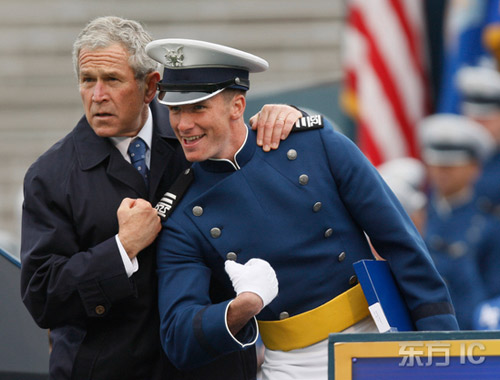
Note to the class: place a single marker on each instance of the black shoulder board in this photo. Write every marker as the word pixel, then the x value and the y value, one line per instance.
pixel 307 123
pixel 172 197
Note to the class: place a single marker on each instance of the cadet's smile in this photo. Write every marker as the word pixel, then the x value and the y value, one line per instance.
pixel 192 140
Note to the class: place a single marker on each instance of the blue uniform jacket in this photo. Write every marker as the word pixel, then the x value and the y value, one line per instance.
pixel 488 186
pixel 306 215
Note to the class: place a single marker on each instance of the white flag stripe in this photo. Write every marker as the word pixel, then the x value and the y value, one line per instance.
pixel 397 57
pixel 380 112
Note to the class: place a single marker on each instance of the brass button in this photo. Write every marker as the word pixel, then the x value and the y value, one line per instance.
pixel 215 232
pixel 317 206
pixel 353 280
pixel 100 310
pixel 328 232
pixel 304 179
pixel 291 154
pixel 231 256
pixel 197 211
pixel 284 315
pixel 341 256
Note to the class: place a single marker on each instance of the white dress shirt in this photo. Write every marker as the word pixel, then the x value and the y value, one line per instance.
pixel 122 144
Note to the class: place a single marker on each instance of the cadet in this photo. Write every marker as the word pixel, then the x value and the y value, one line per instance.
pixel 463 241
pixel 303 208
pixel 480 89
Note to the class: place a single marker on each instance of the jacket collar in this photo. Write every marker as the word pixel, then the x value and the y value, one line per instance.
pixel 241 158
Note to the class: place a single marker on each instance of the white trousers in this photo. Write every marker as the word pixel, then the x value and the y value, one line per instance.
pixel 308 363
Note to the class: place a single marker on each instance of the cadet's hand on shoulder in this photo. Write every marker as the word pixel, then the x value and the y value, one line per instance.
pixel 274 123
pixel 138 224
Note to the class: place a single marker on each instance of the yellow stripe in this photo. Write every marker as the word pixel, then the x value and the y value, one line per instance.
pixel 314 325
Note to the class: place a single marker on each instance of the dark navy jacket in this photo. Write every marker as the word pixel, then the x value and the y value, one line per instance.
pixel 304 208
pixel 104 325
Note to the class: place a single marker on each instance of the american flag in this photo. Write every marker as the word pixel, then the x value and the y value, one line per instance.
pixel 386 85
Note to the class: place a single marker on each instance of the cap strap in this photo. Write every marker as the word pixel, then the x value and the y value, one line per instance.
pixel 203 87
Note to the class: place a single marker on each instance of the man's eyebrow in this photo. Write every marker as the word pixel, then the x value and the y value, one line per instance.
pixel 104 73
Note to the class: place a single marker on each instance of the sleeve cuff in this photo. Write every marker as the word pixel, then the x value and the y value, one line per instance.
pixel 246 337
pixel 131 266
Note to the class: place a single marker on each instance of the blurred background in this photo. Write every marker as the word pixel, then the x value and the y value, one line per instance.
pixel 39 100
pixel 385 50
pixel 373 67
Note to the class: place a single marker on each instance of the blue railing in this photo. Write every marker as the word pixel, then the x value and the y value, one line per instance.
pixel 13 259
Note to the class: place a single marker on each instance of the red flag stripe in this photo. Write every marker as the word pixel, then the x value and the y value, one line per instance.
pixel 410 36
pixel 386 79
pixel 368 145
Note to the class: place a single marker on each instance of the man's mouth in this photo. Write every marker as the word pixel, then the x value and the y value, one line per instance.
pixel 192 139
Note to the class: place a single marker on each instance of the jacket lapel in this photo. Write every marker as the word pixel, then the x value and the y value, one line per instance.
pixel 162 151
pixel 93 151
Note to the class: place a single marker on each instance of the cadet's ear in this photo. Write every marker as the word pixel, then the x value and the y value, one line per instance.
pixel 151 82
pixel 238 105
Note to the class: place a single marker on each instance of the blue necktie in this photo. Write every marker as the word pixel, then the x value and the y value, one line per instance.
pixel 137 152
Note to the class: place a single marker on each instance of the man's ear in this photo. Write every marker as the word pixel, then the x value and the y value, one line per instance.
pixel 150 86
pixel 238 105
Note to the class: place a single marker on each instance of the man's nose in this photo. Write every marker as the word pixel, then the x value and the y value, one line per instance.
pixel 185 121
pixel 100 92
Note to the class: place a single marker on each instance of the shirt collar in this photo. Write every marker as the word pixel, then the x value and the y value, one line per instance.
pixel 241 157
pixel 146 133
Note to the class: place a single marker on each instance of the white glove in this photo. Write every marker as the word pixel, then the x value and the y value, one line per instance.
pixel 256 276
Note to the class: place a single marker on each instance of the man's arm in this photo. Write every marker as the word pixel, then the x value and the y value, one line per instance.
pixel 241 310
pixel 62 278
pixel 193 329
pixel 377 211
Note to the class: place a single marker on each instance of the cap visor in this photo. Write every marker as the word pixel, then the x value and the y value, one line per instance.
pixel 449 158
pixel 181 98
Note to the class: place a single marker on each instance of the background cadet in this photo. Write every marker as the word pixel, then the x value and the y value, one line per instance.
pixel 480 89
pixel 463 241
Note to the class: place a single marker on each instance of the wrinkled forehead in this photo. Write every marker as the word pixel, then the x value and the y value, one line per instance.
pixel 110 59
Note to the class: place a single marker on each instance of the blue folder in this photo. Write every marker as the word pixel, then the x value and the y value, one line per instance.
pixel 386 304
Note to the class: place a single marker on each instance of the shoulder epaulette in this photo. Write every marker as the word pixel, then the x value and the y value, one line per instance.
pixel 307 123
pixel 172 197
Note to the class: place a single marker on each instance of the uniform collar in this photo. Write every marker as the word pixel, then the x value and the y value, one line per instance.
pixel 241 157
pixel 445 206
